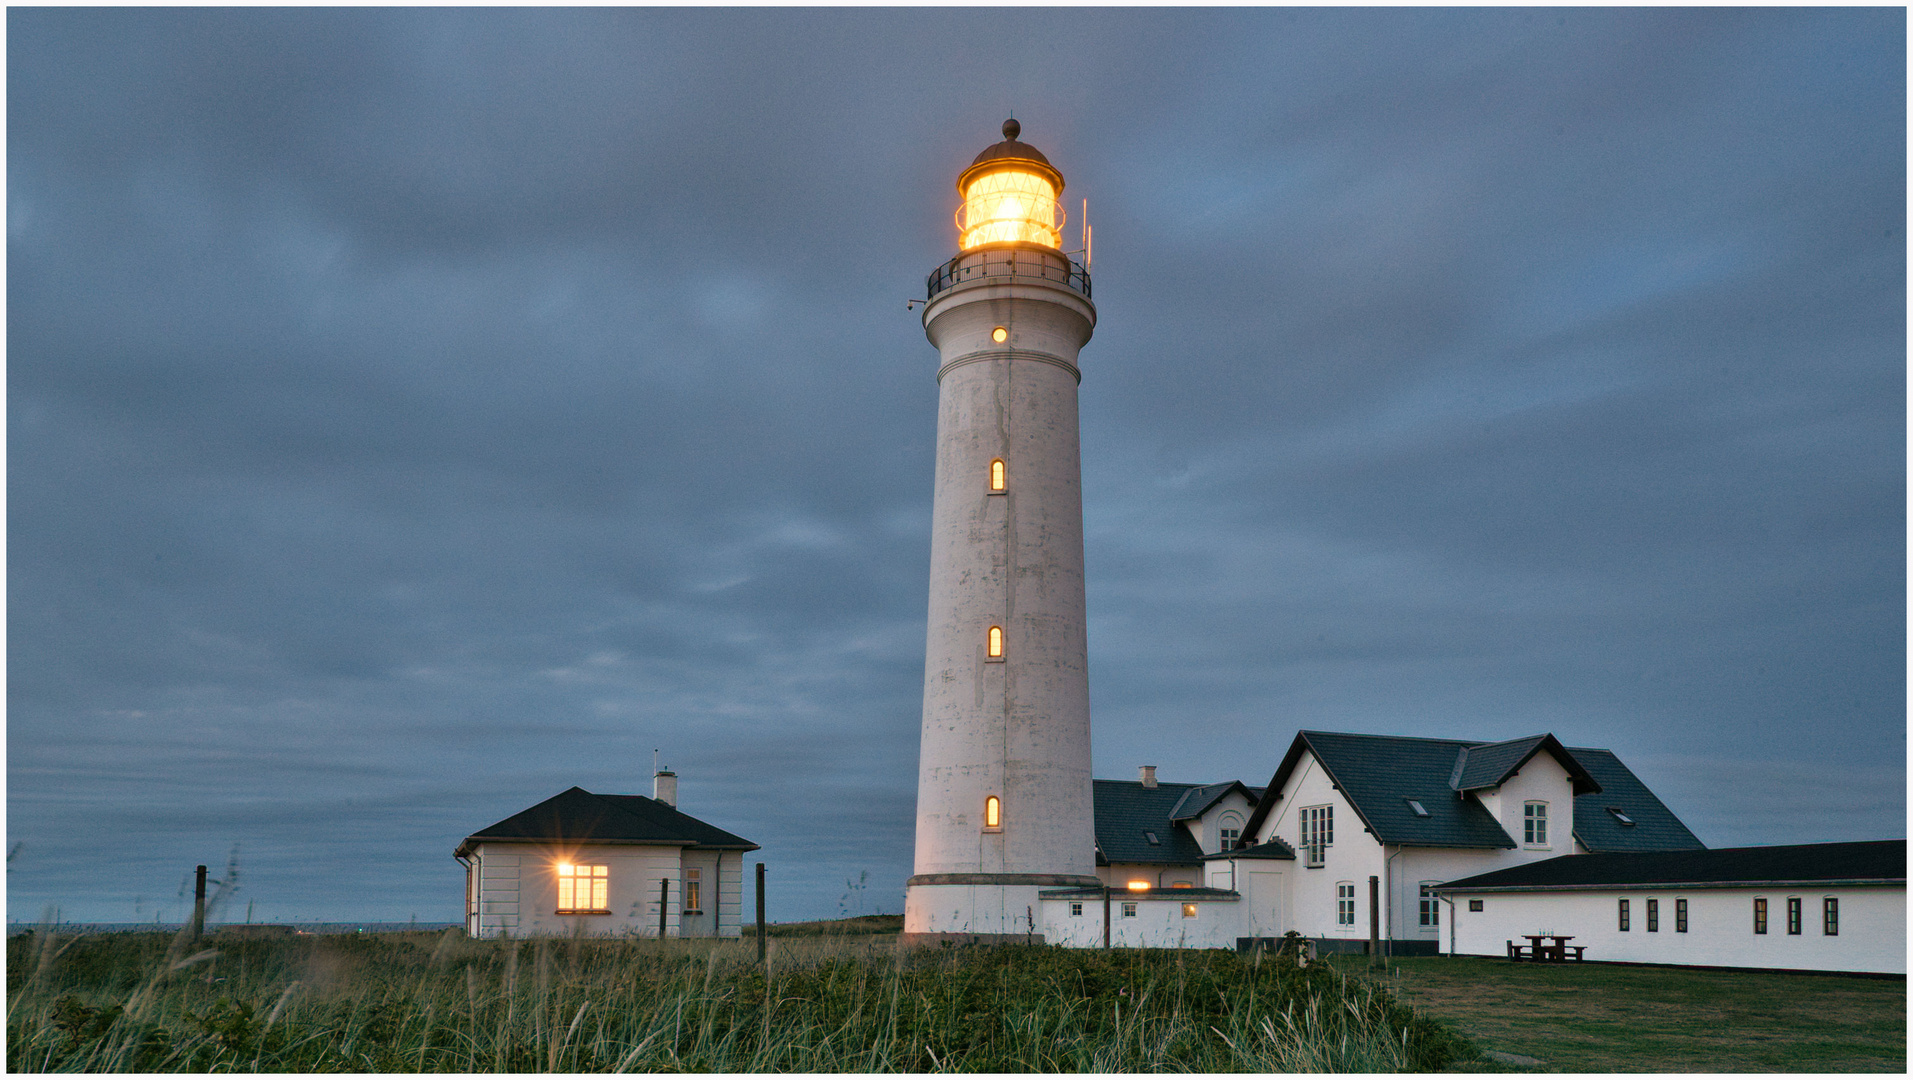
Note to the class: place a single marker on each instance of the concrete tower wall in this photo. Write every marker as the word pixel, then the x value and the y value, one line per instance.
pixel 1017 729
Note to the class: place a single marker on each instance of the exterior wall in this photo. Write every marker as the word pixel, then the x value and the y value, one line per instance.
pixel 1720 933
pixel 1542 779
pixel 518 894
pixel 1157 924
pixel 1016 729
pixel 730 897
pixel 1158 875
pixel 1353 857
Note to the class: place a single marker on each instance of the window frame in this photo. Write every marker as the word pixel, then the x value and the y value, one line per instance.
pixel 1344 903
pixel 1760 914
pixel 1429 914
pixel 1680 915
pixel 1794 919
pixel 1623 916
pixel 693 891
pixel 1534 824
pixel 1075 908
pixel 1653 915
pixel 1129 909
pixel 999 476
pixel 1188 911
pixel 995 645
pixel 1316 825
pixel 1475 904
pixel 567 875
pixel 992 814
pixel 1830 916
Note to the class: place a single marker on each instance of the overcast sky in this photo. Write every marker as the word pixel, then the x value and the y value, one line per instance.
pixel 414 413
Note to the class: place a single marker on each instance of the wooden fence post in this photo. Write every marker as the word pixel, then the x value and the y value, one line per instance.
pixel 199 903
pixel 762 952
pixel 664 904
pixel 1374 920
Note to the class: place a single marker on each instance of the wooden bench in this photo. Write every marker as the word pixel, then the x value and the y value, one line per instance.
pixel 1573 952
pixel 1520 952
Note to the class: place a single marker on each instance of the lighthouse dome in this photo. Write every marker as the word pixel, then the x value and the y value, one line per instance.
pixel 1011 153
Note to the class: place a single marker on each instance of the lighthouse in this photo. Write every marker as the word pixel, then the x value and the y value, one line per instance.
pixel 1003 780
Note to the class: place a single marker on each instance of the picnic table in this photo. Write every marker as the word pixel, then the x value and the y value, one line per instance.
pixel 1547 948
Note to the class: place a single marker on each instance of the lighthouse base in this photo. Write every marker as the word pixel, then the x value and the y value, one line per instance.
pixel 999 907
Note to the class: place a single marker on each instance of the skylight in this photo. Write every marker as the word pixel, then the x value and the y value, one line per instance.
pixel 1620 817
pixel 1151 837
pixel 1417 807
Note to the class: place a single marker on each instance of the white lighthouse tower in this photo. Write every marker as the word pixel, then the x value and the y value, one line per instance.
pixel 1003 784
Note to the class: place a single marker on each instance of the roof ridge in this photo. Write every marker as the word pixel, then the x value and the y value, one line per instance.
pixel 1398 738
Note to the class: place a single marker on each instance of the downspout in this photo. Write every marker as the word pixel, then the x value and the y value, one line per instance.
pixel 471 887
pixel 1388 902
pixel 1450 901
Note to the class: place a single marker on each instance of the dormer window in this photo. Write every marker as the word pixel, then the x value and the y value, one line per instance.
pixel 1534 824
pixel 1620 817
pixel 1415 806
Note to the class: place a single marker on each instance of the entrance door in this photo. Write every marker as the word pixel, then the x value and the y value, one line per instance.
pixel 1268 900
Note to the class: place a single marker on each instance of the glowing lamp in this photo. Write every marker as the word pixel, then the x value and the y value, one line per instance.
pixel 1009 196
pixel 564 868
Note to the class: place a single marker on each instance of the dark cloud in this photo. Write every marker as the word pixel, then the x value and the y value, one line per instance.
pixel 415 412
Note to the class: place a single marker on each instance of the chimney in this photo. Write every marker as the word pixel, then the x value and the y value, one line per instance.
pixel 664 786
pixel 1148 773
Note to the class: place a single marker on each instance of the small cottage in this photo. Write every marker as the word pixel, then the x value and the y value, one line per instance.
pixel 604 864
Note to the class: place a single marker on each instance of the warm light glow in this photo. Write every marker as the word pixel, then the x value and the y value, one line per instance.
pixel 996 475
pixel 583 888
pixel 996 641
pixel 992 813
pixel 1139 886
pixel 1009 205
pixel 564 868
pixel 1000 335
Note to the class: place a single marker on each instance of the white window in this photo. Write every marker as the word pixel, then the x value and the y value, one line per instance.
pixel 1229 831
pixel 1318 832
pixel 1345 903
pixel 1430 906
pixel 1075 907
pixel 583 888
pixel 693 892
pixel 1534 829
pixel 1129 909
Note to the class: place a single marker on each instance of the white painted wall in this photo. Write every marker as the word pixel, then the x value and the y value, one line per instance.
pixel 519 889
pixel 1353 857
pixel 1720 933
pixel 1159 923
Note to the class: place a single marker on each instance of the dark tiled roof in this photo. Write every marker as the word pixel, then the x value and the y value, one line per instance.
pixel 577 815
pixel 1489 765
pixel 1868 862
pixel 1379 774
pixel 1273 849
pixel 1126 811
pixel 1655 827
pixel 1197 800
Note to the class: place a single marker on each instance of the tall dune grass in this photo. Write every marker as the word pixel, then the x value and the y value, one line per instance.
pixel 444 1003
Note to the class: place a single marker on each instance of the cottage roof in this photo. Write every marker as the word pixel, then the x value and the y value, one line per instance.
pixel 1386 777
pixel 1271 849
pixel 1624 815
pixel 1871 862
pixel 1129 814
pixel 1197 800
pixel 578 816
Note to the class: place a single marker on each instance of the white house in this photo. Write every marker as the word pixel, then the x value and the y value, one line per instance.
pixel 604 864
pixel 1820 907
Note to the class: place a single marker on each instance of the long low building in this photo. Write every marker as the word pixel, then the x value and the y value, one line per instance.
pixel 1812 907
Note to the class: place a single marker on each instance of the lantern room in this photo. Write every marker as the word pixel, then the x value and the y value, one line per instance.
pixel 1009 196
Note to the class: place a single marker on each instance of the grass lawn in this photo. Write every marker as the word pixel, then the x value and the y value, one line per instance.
pixel 1601 1018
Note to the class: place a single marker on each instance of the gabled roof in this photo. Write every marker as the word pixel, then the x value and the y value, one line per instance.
pixel 578 816
pixel 1873 862
pixel 1489 765
pixel 1597 816
pixel 1379 775
pixel 1127 813
pixel 1197 800
pixel 1272 849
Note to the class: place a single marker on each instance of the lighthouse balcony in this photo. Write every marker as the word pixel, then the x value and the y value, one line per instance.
pixel 1010 262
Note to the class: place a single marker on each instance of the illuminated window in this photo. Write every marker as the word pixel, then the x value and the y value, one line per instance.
pixel 1535 824
pixel 1653 916
pixel 1345 903
pixel 1793 914
pixel 1138 885
pixel 693 881
pixel 996 643
pixel 1188 911
pixel 1129 909
pixel 997 479
pixel 1623 915
pixel 1830 915
pixel 1760 914
pixel 992 813
pixel 1010 205
pixel 1680 915
pixel 583 888
pixel 1000 335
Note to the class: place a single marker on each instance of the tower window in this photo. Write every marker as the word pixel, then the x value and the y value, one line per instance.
pixel 992 813
pixel 1000 335
pixel 996 643
pixel 997 477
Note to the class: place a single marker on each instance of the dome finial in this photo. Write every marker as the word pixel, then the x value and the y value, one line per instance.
pixel 1011 129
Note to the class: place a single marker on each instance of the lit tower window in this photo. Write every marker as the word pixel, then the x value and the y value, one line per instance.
pixel 1009 196
pixel 996 475
pixel 992 813
pixel 996 643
